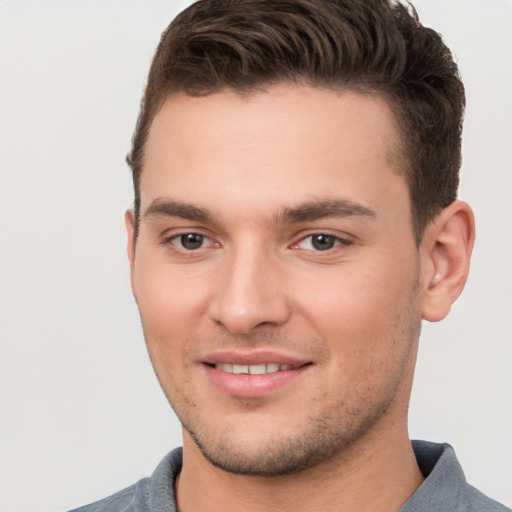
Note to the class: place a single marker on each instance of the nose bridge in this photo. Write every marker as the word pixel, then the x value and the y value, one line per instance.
pixel 249 292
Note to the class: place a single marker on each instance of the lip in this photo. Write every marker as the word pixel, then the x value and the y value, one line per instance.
pixel 253 357
pixel 252 386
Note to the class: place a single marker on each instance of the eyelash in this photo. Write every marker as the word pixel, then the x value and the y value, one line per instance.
pixel 335 240
pixel 171 241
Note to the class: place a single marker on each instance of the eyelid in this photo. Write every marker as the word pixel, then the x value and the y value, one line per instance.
pixel 340 240
pixel 168 238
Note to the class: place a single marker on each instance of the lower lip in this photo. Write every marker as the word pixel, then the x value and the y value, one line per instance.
pixel 252 386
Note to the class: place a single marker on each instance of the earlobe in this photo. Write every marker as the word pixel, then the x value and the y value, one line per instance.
pixel 446 248
pixel 129 220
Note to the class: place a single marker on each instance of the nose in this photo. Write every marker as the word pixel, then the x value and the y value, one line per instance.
pixel 250 293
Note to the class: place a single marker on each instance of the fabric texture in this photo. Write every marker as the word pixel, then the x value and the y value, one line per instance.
pixel 444 490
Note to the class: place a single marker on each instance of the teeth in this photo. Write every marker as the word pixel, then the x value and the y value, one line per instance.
pixel 258 369
pixel 240 368
pixel 253 369
pixel 226 367
pixel 272 367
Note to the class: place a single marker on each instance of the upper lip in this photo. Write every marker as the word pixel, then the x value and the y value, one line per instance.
pixel 252 357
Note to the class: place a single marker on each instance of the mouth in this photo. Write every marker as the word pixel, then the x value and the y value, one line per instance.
pixel 253 375
pixel 254 369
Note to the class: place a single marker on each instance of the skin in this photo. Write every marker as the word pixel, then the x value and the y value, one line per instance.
pixel 261 178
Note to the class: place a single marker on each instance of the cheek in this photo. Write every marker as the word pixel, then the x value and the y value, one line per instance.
pixel 165 292
pixel 361 310
pixel 171 305
pixel 348 297
pixel 369 325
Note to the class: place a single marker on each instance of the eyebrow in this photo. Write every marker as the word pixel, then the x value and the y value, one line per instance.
pixel 316 210
pixel 308 211
pixel 168 208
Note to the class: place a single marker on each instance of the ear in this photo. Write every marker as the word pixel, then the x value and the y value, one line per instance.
pixel 129 220
pixel 446 252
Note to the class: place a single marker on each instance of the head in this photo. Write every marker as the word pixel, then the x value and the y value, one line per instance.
pixel 295 167
pixel 375 47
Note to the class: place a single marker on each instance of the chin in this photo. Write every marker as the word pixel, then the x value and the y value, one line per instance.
pixel 279 452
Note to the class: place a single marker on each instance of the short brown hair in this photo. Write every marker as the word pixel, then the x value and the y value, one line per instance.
pixel 368 46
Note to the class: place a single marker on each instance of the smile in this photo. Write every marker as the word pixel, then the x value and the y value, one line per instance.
pixel 254 380
pixel 253 369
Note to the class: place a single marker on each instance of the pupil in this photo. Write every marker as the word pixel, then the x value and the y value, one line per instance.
pixel 323 242
pixel 192 241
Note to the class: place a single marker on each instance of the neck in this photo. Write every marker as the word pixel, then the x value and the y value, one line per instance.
pixel 376 473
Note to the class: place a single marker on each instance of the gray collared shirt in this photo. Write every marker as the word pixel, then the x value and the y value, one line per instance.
pixel 444 490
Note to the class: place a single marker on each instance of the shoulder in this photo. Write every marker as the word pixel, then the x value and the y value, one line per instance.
pixel 445 487
pixel 129 499
pixel 157 490
pixel 479 502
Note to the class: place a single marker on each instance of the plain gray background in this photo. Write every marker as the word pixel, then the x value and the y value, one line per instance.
pixel 81 413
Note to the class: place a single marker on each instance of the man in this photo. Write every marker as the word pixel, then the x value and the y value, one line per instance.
pixel 295 166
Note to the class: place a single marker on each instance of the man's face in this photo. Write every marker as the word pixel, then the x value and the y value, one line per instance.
pixel 276 274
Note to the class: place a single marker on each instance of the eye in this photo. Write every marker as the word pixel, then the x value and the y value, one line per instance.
pixel 321 242
pixel 189 242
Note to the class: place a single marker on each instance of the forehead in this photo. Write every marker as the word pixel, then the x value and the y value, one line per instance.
pixel 288 141
pixel 283 111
